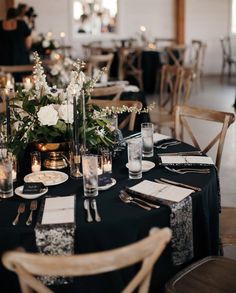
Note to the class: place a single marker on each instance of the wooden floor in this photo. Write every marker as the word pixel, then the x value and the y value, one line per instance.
pixel 220 96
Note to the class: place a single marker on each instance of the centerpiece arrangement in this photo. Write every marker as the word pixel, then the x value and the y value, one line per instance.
pixel 44 114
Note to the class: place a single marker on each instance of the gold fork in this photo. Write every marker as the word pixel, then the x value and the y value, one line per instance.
pixel 20 210
pixel 33 207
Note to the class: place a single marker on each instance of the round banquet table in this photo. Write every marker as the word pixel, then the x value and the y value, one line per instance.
pixel 121 224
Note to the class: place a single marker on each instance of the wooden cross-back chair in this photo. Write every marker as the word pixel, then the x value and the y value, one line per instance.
pixel 102 92
pixel 228 59
pixel 147 251
pixel 128 119
pixel 183 112
pixel 171 86
pixel 130 64
pixel 197 58
pixel 176 54
pixel 97 62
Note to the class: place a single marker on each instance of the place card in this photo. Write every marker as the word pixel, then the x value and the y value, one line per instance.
pixel 185 160
pixel 154 191
pixel 33 187
pixel 58 210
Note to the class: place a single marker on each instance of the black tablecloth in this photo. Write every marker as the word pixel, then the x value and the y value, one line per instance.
pixel 121 224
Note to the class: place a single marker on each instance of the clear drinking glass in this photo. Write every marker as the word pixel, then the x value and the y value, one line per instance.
pixel 90 174
pixel 147 139
pixel 6 182
pixel 135 158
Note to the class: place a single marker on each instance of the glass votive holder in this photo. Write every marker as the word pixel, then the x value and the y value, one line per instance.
pixel 35 161
pixel 13 159
pixel 6 182
pixel 75 162
pixel 107 161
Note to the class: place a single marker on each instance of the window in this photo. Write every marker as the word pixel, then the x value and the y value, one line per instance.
pixel 94 16
pixel 233 25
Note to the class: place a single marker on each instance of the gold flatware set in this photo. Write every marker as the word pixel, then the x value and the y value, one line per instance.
pixel 21 210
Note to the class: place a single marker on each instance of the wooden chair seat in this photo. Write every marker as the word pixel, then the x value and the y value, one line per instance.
pixel 146 251
pixel 211 274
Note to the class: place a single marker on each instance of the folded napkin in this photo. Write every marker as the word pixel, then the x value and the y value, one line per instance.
pixel 157 191
pixel 59 210
pixel 185 160
pixel 55 231
pixel 159 137
pixel 179 201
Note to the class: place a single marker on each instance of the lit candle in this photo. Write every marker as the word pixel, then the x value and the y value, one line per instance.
pixel 99 171
pixel 35 161
pixel 13 175
pixel 107 167
pixel 9 85
pixel 27 83
pixel 36 166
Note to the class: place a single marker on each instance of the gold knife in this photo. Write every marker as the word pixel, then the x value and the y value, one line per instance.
pixel 178 184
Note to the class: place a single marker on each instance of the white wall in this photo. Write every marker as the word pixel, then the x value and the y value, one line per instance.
pixel 207 20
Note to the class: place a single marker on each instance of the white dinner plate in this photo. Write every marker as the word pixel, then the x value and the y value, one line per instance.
pixel 107 186
pixel 146 165
pixel 48 178
pixel 19 191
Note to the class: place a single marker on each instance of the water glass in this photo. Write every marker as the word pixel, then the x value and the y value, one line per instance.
pixel 135 158
pixel 147 139
pixel 6 182
pixel 90 174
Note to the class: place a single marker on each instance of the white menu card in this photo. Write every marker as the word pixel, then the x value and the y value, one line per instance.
pixel 161 191
pixel 182 160
pixel 158 137
pixel 58 210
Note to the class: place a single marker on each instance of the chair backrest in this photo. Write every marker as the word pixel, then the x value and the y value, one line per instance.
pixel 182 112
pixel 197 55
pixel 128 119
pixel 17 68
pixel 147 251
pixel 130 64
pixel 226 47
pixel 176 54
pixel 97 62
pixel 114 91
pixel 170 87
pixel 185 87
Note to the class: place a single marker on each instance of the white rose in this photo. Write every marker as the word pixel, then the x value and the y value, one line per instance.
pixel 47 115
pixel 66 113
pixel 45 44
